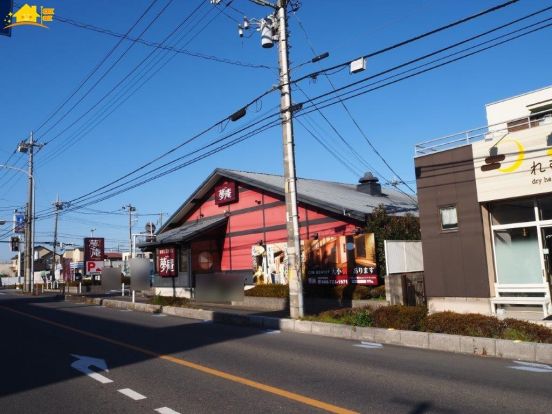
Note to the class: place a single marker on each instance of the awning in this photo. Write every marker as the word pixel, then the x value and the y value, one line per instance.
pixel 185 232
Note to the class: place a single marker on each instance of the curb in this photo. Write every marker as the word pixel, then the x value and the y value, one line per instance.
pixel 499 348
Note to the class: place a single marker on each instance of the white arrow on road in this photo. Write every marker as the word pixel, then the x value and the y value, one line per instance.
pixel 369 345
pixel 531 367
pixel 83 364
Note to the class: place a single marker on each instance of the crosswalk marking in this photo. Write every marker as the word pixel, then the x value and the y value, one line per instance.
pixel 132 394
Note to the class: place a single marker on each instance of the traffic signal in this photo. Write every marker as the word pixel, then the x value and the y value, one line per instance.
pixel 15 244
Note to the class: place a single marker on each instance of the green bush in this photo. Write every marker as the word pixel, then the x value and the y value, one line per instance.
pixel 474 324
pixel 170 301
pixel 400 317
pixel 470 324
pixel 269 291
pixel 526 331
pixel 348 316
pixel 378 292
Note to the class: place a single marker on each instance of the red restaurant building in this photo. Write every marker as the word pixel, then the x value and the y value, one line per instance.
pixel 235 224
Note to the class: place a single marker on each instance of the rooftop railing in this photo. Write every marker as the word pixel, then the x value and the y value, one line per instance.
pixel 489 132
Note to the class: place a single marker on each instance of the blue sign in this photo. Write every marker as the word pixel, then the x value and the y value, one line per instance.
pixel 19 223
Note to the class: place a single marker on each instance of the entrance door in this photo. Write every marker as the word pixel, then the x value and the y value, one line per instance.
pixel 547 252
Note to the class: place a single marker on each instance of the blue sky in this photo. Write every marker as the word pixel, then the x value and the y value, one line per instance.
pixel 40 68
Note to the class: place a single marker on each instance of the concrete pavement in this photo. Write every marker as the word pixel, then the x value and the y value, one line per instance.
pixel 191 366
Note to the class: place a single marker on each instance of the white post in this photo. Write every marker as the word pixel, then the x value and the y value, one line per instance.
pixel 133 296
pixel 80 288
pixel 122 289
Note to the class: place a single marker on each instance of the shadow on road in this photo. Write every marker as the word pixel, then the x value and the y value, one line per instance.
pixel 35 353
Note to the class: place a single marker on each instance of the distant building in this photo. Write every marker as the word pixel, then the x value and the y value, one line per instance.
pixel 485 198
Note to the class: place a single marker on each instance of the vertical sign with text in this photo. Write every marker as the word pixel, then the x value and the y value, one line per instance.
pixel 93 255
pixel 166 262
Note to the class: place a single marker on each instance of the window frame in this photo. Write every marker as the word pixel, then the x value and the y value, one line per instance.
pixel 448 229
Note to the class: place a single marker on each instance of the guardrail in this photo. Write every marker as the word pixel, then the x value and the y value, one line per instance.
pixel 493 131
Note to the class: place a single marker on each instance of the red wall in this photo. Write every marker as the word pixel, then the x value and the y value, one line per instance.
pixel 257 216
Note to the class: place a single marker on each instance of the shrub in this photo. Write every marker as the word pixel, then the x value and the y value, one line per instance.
pixel 526 331
pixel 400 317
pixel 269 291
pixel 470 324
pixel 378 292
pixel 170 301
pixel 348 316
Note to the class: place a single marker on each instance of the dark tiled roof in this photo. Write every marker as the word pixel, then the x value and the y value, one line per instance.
pixel 186 231
pixel 339 198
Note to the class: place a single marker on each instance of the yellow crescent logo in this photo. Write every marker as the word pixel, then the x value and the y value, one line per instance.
pixel 517 163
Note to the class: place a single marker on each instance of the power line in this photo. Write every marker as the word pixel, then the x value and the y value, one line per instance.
pixel 102 77
pixel 166 172
pixel 330 93
pixel 160 46
pixel 141 63
pixel 410 40
pixel 97 67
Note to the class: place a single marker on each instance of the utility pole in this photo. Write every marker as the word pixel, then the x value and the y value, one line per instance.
pixel 58 205
pixel 130 208
pixel 28 147
pixel 290 179
pixel 271 27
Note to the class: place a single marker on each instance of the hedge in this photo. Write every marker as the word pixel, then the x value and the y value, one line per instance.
pixel 415 318
pixel 473 324
pixel 349 292
pixel 269 291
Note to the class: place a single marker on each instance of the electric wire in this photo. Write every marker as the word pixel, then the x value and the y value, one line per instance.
pixel 101 78
pixel 97 67
pixel 410 40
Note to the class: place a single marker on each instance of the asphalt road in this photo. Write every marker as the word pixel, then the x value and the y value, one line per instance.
pixel 179 365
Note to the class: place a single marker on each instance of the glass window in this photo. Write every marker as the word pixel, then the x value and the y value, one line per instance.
pixel 449 218
pixel 545 208
pixel 513 211
pixel 517 256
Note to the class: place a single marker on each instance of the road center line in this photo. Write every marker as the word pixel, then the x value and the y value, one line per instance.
pixel 132 394
pixel 166 410
pixel 201 368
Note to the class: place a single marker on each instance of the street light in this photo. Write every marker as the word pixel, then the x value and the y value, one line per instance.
pixel 92 232
pixel 30 218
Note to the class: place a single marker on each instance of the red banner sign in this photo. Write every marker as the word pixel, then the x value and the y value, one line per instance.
pixel 166 262
pixel 226 193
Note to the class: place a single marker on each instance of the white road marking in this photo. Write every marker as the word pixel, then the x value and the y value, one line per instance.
pixel 166 410
pixel 369 345
pixel 132 394
pixel 158 315
pixel 531 367
pixel 271 331
pixel 126 310
pixel 2 293
pixel 207 321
